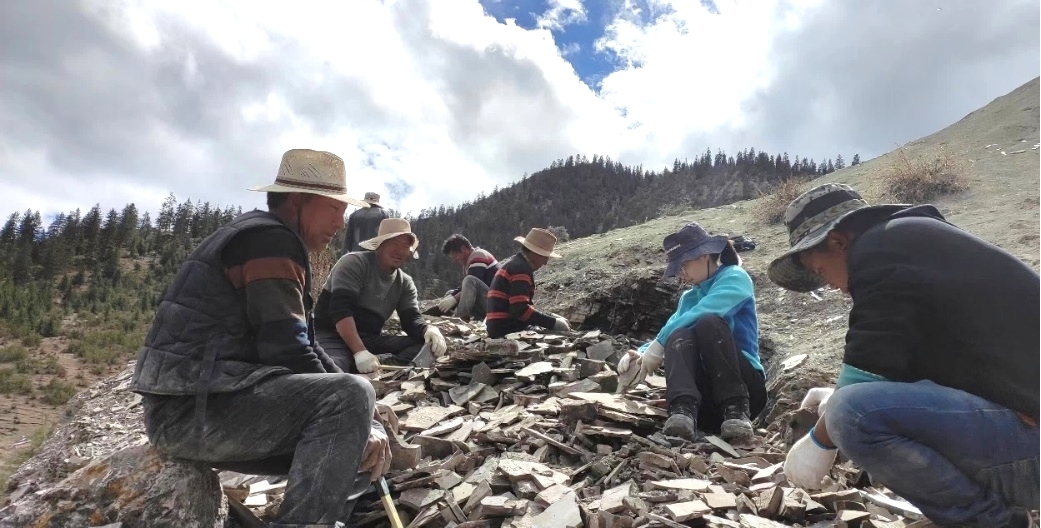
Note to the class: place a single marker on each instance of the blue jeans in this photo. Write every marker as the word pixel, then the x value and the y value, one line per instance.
pixel 957 457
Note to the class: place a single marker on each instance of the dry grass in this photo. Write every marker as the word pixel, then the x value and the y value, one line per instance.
pixel 924 178
pixel 772 206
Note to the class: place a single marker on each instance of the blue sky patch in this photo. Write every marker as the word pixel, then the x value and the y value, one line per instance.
pixel 576 41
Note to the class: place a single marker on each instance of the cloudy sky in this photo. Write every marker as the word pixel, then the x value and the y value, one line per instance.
pixel 434 101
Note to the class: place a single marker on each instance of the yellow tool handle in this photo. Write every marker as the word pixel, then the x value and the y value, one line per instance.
pixel 392 512
pixel 388 503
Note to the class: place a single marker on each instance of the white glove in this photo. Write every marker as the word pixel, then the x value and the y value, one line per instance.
pixel 652 358
pixel 561 325
pixel 366 362
pixel 628 360
pixel 817 398
pixel 447 304
pixel 437 341
pixel 808 463
pixel 629 371
pixel 634 368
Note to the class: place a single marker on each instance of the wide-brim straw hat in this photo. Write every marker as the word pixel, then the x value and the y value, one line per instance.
pixel 809 219
pixel 540 242
pixel 390 228
pixel 312 172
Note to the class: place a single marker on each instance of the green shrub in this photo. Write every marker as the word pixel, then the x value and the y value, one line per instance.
pixel 12 382
pixel 32 340
pixel 13 353
pixel 40 365
pixel 57 392
pixel 109 342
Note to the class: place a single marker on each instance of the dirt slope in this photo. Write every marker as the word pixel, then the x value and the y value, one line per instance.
pixel 614 277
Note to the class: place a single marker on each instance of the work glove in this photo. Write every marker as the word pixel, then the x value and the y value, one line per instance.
pixel 634 367
pixel 808 463
pixel 377 456
pixel 436 341
pixel 366 362
pixel 561 324
pixel 447 304
pixel 652 358
pixel 817 398
pixel 628 371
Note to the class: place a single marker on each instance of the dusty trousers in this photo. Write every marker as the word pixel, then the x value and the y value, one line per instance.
pixel 472 299
pixel 390 349
pixel 313 427
pixel 702 363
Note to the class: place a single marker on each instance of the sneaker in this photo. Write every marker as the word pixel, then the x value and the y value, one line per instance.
pixel 682 421
pixel 736 423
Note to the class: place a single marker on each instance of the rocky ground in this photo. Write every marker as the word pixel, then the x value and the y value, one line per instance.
pixel 518 432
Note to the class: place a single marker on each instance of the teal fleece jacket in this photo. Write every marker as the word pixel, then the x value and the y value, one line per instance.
pixel 728 293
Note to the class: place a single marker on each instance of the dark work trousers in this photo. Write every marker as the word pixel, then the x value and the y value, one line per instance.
pixel 703 363
pixel 401 349
pixel 313 427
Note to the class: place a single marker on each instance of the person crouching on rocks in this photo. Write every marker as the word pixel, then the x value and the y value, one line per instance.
pixel 710 345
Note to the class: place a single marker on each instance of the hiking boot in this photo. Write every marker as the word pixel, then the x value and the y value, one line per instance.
pixel 736 423
pixel 682 422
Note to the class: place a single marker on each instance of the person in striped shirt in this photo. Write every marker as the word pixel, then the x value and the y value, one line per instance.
pixel 509 302
pixel 468 299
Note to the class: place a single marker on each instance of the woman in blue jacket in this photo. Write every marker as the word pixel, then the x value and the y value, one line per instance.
pixel 710 345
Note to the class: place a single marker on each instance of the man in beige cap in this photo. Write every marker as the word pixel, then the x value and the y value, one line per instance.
pixel 230 372
pixel 364 223
pixel 363 289
pixel 509 304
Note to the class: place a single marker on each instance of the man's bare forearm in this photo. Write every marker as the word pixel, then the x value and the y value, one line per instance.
pixel 349 333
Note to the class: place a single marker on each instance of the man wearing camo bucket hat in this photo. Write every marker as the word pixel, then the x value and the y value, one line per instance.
pixel 937 396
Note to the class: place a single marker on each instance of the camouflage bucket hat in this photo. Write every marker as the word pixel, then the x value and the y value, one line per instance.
pixel 809 218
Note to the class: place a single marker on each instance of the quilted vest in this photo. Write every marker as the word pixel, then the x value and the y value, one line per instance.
pixel 201 341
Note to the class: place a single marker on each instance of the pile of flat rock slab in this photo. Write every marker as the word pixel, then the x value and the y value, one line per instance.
pixel 530 432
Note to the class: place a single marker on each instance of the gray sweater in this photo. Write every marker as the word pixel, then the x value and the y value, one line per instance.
pixel 357 288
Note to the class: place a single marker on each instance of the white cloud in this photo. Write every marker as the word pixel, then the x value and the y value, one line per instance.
pixel 137 99
pixel 689 71
pixel 562 13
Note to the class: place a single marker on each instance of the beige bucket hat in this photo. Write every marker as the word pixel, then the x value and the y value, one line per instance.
pixel 372 198
pixel 390 228
pixel 312 172
pixel 809 219
pixel 539 241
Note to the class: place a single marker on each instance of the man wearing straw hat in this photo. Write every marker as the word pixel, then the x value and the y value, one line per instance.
pixel 479 268
pixel 509 306
pixel 364 223
pixel 362 291
pixel 937 396
pixel 230 373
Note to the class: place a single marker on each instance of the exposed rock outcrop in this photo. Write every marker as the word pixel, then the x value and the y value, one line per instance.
pixel 136 486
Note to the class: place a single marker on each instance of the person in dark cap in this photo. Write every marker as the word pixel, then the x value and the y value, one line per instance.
pixel 364 223
pixel 710 346
pixel 937 395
